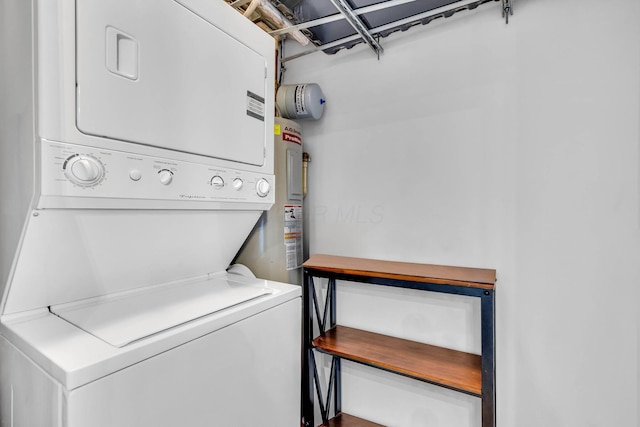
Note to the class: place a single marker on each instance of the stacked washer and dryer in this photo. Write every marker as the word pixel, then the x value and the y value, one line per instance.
pixel 137 155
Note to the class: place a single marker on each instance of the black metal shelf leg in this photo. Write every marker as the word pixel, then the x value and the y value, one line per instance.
pixel 488 359
pixel 308 363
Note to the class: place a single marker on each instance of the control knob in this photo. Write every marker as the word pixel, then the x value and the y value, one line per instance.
pixel 237 183
pixel 217 182
pixel 263 187
pixel 83 170
pixel 165 176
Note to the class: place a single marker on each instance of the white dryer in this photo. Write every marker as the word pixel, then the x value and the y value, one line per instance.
pixel 137 155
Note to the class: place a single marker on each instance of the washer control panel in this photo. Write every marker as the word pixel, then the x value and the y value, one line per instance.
pixel 79 171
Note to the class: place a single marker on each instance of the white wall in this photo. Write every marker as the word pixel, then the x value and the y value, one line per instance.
pixel 512 147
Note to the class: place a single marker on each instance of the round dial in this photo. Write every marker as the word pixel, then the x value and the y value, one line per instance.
pixel 263 187
pixel 237 183
pixel 217 182
pixel 84 170
pixel 166 176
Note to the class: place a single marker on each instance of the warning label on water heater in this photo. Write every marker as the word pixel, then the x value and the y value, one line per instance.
pixel 293 235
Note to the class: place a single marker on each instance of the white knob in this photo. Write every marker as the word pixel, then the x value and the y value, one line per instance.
pixel 237 183
pixel 83 170
pixel 217 182
pixel 263 187
pixel 166 176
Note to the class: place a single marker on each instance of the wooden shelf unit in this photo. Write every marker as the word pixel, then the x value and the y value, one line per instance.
pixel 464 372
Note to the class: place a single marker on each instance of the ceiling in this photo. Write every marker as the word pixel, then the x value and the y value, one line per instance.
pixel 332 25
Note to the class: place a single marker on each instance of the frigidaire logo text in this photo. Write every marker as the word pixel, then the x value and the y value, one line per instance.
pixel 191 196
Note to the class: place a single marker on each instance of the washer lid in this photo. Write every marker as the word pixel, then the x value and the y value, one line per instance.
pixel 120 319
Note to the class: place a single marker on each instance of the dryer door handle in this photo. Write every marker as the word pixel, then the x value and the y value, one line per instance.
pixel 122 53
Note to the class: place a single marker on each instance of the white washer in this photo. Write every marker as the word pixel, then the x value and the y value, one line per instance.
pixel 139 152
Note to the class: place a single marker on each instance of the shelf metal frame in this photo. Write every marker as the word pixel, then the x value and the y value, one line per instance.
pixel 311 308
pixel 310 377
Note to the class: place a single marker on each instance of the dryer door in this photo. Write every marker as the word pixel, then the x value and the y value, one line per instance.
pixel 153 72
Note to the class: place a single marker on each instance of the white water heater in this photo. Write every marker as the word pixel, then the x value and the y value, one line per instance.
pixel 274 250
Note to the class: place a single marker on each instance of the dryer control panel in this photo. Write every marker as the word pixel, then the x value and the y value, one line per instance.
pixel 111 177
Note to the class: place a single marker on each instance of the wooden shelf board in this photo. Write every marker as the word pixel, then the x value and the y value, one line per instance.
pixel 450 368
pixel 346 420
pixel 427 273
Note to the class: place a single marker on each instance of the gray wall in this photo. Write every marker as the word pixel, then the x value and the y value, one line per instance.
pixel 512 147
